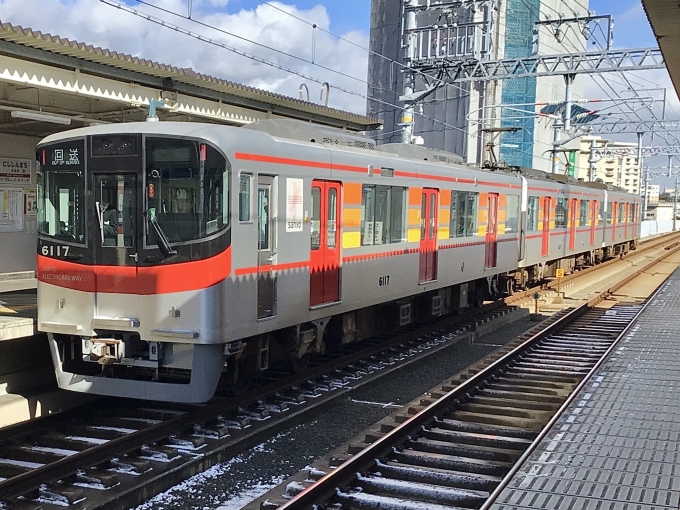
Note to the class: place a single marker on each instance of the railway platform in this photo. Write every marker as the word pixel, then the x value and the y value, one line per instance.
pixel 617 446
pixel 18 306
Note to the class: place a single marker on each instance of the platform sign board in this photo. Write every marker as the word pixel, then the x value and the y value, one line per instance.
pixel 15 171
pixel 559 273
pixel 11 209
pixel 31 202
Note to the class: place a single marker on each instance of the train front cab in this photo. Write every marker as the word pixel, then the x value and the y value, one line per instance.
pixel 133 247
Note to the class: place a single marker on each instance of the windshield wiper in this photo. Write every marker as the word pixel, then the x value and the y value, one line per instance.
pixel 161 239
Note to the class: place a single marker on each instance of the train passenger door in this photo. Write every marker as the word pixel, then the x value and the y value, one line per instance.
pixel 428 235
pixel 625 217
pixel 491 241
pixel 572 226
pixel 266 247
pixel 615 218
pixel 545 241
pixel 117 243
pixel 324 271
pixel 594 207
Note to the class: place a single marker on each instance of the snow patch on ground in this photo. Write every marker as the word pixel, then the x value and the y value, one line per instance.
pixel 241 499
pixel 240 495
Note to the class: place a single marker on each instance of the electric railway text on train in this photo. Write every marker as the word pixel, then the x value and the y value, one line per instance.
pixel 171 255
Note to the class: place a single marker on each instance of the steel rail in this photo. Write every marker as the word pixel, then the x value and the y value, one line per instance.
pixel 520 296
pixel 325 487
pixel 22 483
pixel 544 432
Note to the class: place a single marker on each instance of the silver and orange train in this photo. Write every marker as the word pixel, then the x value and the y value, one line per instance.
pixel 171 255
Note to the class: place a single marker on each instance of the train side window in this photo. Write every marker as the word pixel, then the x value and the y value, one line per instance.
pixel 367 215
pixel 512 214
pixel 244 185
pixel 263 215
pixel 609 213
pixel 398 211
pixel 532 214
pixel 583 213
pixel 331 222
pixel 463 221
pixel 631 213
pixel 423 215
pixel 561 213
pixel 383 215
pixel 600 216
pixel 315 243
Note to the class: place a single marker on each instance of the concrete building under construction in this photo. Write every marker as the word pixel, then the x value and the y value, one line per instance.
pixel 457 117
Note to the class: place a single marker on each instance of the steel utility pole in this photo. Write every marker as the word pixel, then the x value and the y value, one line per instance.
pixel 409 76
pixel 675 204
pixel 646 202
pixel 592 160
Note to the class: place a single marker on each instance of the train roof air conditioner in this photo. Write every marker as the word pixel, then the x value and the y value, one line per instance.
pixel 308 132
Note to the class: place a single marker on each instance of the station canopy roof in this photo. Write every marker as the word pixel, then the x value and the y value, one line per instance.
pixel 664 16
pixel 197 96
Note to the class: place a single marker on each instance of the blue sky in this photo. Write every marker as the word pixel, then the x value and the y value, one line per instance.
pixel 345 15
pixel 631 28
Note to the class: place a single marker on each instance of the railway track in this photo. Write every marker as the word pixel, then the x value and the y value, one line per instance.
pixel 102 455
pixel 460 450
pixel 116 456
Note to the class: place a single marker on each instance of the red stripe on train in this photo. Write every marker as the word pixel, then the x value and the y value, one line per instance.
pixel 181 277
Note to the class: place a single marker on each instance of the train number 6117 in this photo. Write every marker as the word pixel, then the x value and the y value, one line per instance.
pixel 384 280
pixel 61 251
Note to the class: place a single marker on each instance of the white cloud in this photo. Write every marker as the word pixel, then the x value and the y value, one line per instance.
pixel 96 23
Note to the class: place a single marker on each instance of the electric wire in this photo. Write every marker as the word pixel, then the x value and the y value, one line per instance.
pixel 261 60
pixel 315 27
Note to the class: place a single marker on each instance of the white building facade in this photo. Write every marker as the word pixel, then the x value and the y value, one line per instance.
pixel 622 170
pixel 653 191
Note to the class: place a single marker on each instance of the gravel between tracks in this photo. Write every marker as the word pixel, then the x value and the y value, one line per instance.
pixel 231 485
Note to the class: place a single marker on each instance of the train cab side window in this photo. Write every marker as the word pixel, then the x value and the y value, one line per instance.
pixel 561 213
pixel 383 215
pixel 512 214
pixel 583 213
pixel 532 214
pixel 244 185
pixel 463 221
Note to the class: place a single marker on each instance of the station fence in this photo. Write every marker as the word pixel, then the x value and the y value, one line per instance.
pixel 655 227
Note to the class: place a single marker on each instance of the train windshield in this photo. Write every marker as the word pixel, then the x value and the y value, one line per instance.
pixel 61 191
pixel 186 190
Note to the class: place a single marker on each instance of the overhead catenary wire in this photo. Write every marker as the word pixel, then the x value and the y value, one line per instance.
pixel 255 58
pixel 314 27
pixel 311 62
pixel 375 87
